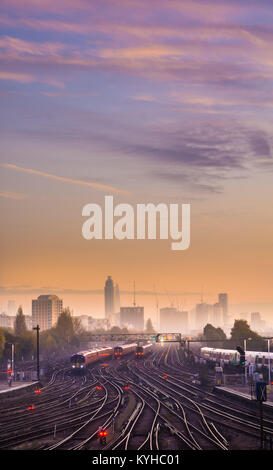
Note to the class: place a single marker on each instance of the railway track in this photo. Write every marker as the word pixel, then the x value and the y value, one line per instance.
pixel 149 404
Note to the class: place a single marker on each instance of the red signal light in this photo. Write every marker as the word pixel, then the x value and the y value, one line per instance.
pixel 103 433
pixel 9 371
pixel 127 387
pixel 98 387
pixel 31 407
pixel 38 391
pixel 164 376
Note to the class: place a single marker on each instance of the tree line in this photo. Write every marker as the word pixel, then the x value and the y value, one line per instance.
pixel 57 342
pixel 216 337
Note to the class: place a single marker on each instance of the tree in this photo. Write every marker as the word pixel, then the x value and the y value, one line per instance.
pixel 212 333
pixel 2 342
pixel 149 326
pixel 20 323
pixel 65 327
pixel 240 331
pixel 25 346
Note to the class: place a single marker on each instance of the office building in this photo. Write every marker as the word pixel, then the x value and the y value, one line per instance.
pixel 132 318
pixel 46 310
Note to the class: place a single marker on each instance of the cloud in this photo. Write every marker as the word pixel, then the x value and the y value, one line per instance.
pixel 15 290
pixel 101 187
pixel 10 195
pixel 18 77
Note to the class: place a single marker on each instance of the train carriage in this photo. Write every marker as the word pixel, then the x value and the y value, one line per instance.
pixel 231 356
pixel 120 351
pixel 142 351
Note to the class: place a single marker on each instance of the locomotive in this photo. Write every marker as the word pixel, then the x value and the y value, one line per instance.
pixel 81 360
pixel 120 351
pixel 142 351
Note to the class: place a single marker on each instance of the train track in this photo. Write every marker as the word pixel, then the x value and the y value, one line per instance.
pixel 151 404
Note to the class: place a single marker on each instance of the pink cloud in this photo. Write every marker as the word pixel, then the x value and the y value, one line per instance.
pixel 99 186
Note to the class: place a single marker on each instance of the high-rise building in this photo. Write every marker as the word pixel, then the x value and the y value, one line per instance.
pixel 109 297
pixel 223 301
pixel 46 310
pixel 132 318
pixel 173 321
pixel 202 315
pixel 217 315
pixel 116 299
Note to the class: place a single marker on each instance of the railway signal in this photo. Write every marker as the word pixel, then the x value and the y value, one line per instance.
pixel 127 387
pixel 31 407
pixel 98 387
pixel 38 391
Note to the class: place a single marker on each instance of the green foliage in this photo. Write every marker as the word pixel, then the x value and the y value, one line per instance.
pixel 212 333
pixel 2 342
pixel 240 331
pixel 20 323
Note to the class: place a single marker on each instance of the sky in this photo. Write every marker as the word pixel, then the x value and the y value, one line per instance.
pixel 149 102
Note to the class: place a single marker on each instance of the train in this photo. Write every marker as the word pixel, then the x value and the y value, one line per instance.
pixel 120 351
pixel 142 351
pixel 81 360
pixel 232 357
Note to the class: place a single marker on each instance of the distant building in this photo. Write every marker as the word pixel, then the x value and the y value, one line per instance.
pixel 6 321
pixel 223 301
pixel 109 297
pixel 217 315
pixel 11 308
pixel 132 318
pixel 256 321
pixel 173 321
pixel 46 310
pixel 116 299
pixel 201 315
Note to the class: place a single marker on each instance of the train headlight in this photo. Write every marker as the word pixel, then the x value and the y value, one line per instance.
pixel 73 366
pixel 81 366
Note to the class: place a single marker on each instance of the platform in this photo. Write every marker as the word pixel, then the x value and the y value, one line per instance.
pixel 18 385
pixel 245 393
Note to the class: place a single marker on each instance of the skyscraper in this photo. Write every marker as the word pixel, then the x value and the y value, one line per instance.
pixel 116 299
pixel 109 297
pixel 46 310
pixel 223 301
pixel 202 315
pixel 217 317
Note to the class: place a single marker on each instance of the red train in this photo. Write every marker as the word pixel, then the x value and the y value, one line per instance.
pixel 142 351
pixel 81 360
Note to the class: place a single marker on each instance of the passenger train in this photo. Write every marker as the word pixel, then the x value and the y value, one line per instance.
pixel 231 356
pixel 81 360
pixel 120 351
pixel 142 351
